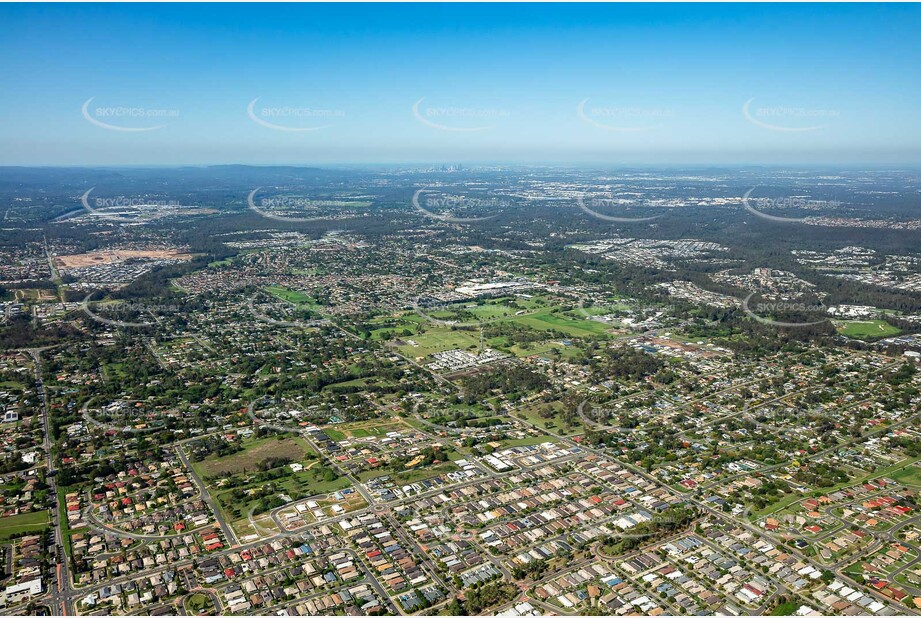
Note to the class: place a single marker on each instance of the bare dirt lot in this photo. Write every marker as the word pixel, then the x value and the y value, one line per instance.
pixel 81 260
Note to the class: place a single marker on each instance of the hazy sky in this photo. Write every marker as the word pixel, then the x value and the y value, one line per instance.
pixel 464 83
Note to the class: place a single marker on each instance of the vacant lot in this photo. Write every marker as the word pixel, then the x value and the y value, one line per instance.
pixel 253 455
pixel 909 475
pixel 364 429
pixel 22 524
pixel 410 476
pixel 80 260
pixel 439 339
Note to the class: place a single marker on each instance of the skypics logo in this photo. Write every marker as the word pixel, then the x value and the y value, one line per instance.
pixel 608 202
pixel 785 119
pixel 623 119
pixel 795 202
pixel 454 203
pixel 99 207
pixel 126 308
pixel 104 117
pixel 457 119
pixel 286 203
pixel 291 119
pixel 776 307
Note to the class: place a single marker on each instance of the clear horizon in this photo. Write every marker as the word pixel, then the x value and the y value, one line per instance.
pixel 644 85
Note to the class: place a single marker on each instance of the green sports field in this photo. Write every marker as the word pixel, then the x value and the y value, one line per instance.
pixel 866 329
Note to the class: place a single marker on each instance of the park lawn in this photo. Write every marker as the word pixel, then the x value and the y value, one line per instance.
pixel 487 310
pixel 531 415
pixel 417 424
pixel 335 434
pixel 393 319
pixel 785 609
pixel 299 299
pixel 395 328
pixel 781 504
pixel 443 314
pixel 389 332
pixel 909 475
pixel 311 483
pixel 297 485
pixel 547 348
pixel 26 523
pixel 438 339
pixel 604 308
pixel 571 326
pixel 865 329
pixel 253 454
pixel 198 602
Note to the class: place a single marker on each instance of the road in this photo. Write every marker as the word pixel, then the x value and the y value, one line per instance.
pixel 59 585
pixel 229 534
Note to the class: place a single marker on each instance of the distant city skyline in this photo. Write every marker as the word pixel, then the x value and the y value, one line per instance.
pixel 567 84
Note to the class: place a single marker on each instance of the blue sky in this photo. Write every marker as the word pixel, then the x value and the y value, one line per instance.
pixel 657 84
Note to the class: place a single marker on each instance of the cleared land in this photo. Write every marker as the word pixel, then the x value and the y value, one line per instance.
pixel 22 524
pixel 81 260
pixel 363 429
pixel 253 455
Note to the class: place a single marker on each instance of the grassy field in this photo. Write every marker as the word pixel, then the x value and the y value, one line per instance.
pixel 869 329
pixel 555 423
pixel 66 530
pixel 198 602
pixel 573 326
pixel 253 454
pixel 439 339
pixel 540 313
pixel 315 479
pixel 529 441
pixel 292 296
pixel 785 609
pixel 548 349
pixel 410 476
pixel 909 475
pixel 357 382
pixel 23 524
pixel 363 429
